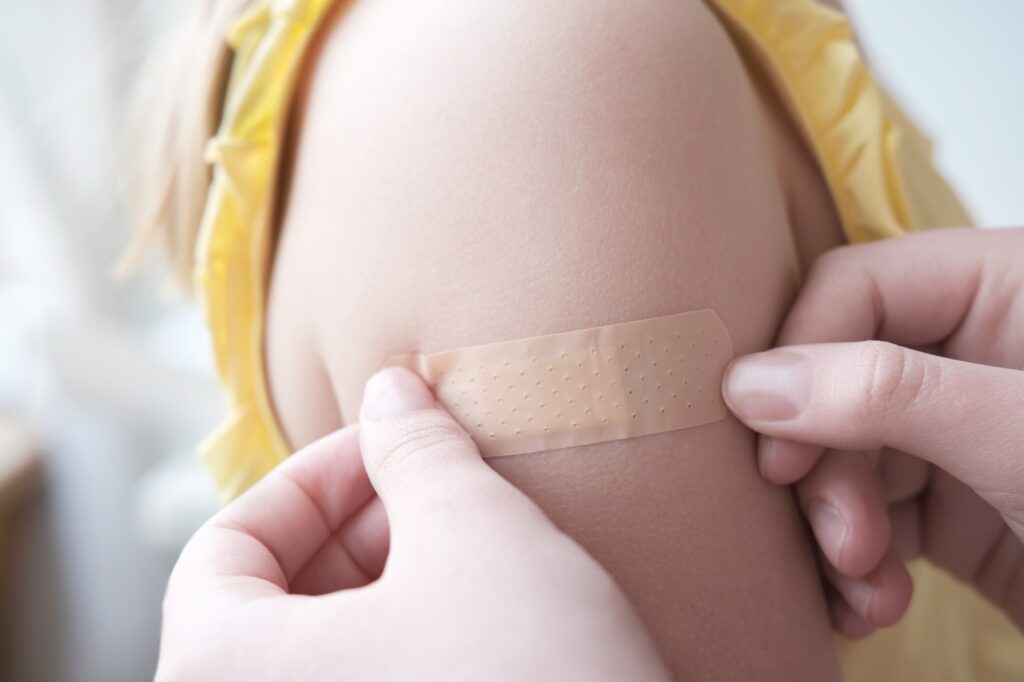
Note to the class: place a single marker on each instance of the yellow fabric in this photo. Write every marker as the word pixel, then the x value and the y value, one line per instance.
pixel 876 164
pixel 232 251
pixel 951 634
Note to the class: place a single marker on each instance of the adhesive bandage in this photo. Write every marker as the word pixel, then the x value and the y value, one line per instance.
pixel 585 386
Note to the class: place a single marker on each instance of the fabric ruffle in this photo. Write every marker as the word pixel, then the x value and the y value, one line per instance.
pixel 232 249
pixel 877 165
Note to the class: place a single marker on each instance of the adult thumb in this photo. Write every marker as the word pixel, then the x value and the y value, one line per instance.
pixel 415 453
pixel 960 416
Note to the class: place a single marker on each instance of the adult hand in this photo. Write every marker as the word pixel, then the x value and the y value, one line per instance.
pixel 478 583
pixel 910 439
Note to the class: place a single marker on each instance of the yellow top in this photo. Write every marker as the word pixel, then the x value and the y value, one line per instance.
pixel 232 249
pixel 877 167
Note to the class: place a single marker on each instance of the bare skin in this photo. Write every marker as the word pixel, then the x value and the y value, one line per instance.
pixel 465 175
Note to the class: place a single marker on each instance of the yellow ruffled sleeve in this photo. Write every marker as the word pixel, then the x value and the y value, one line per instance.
pixel 876 163
pixel 232 250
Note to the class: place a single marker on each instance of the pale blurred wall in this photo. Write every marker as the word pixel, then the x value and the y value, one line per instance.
pixel 117 381
pixel 114 380
pixel 958 68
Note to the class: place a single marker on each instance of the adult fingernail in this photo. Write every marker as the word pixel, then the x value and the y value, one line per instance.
pixel 768 386
pixel 394 391
pixel 830 528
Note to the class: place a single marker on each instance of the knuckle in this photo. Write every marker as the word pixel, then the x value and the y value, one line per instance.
pixel 419 436
pixel 893 378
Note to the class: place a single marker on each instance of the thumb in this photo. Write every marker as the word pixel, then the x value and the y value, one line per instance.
pixel 414 452
pixel 962 417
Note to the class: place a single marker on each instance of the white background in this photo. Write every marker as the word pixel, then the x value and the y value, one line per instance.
pixel 958 68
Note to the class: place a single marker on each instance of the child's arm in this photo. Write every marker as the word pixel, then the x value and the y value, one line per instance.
pixel 469 173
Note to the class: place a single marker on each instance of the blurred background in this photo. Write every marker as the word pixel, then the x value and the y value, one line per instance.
pixel 106 386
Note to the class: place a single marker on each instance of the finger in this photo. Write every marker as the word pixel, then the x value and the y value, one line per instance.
pixel 959 529
pixel 845 620
pixel 912 290
pixel 415 453
pixel 904 477
pixel 353 557
pixel 842 501
pixel 860 396
pixel 905 521
pixel 881 597
pixel 784 462
pixel 366 536
pixel 270 533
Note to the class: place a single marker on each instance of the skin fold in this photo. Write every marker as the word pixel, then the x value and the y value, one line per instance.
pixel 465 173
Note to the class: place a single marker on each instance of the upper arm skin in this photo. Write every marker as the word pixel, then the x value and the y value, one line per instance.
pixel 475 172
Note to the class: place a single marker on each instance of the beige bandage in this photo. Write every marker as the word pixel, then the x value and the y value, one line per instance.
pixel 585 386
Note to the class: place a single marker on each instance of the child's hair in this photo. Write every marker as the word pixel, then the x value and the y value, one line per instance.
pixel 176 108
